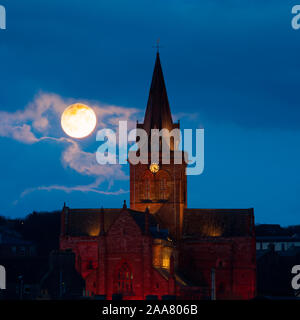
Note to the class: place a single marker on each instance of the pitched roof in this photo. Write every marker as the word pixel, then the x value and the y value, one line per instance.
pixel 139 218
pixel 158 113
pixel 203 223
pixel 87 222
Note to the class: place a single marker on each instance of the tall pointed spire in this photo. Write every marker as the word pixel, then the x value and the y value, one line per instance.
pixel 158 113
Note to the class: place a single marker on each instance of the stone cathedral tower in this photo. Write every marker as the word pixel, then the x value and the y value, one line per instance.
pixel 160 187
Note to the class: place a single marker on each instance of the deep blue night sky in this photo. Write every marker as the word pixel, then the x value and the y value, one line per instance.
pixel 231 67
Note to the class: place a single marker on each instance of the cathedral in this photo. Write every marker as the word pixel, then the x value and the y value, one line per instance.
pixel 157 247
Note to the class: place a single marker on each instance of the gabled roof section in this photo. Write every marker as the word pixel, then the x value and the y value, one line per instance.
pixel 216 223
pixel 139 218
pixel 87 222
pixel 158 113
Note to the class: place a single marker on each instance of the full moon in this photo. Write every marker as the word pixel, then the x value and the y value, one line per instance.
pixel 78 120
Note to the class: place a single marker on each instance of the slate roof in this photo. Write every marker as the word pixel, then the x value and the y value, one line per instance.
pixel 203 223
pixel 87 222
pixel 197 223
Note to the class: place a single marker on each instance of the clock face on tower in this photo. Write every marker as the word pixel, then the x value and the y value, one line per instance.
pixel 154 167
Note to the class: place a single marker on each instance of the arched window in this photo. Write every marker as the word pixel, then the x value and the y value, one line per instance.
pixel 123 280
pixel 163 179
pixel 146 185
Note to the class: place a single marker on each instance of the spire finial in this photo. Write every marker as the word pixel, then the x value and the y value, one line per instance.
pixel 157 46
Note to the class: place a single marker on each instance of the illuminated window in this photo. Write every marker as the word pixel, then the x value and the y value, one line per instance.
pixel 123 281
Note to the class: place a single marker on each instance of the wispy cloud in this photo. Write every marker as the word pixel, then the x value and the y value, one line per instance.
pixel 26 125
pixel 40 121
pixel 93 187
pixel 32 123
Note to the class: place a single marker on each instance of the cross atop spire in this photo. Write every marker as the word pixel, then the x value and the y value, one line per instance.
pixel 158 113
pixel 157 46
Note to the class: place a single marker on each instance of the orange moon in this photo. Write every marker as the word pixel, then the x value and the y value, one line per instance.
pixel 78 120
